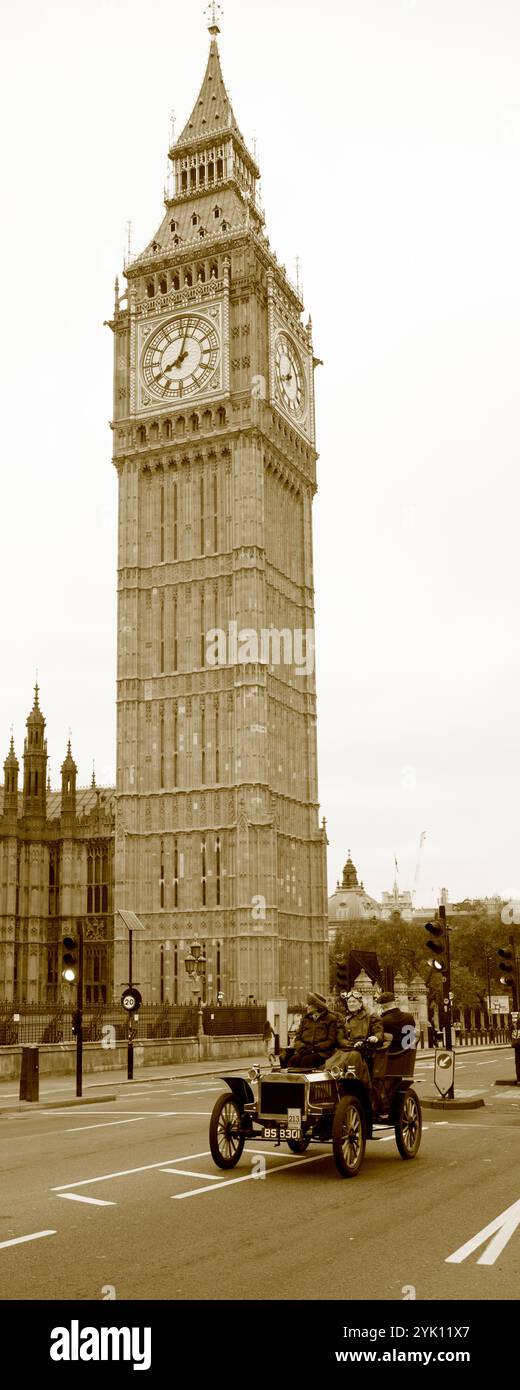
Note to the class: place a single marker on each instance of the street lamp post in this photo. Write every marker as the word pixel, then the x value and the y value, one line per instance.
pixel 195 966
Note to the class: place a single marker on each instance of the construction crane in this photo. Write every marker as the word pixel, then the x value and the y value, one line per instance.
pixel 422 838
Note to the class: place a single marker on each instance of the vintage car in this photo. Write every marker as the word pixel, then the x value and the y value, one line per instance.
pixel 299 1107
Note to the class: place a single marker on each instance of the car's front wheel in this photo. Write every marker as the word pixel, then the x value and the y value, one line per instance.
pixel 349 1136
pixel 408 1124
pixel 225 1140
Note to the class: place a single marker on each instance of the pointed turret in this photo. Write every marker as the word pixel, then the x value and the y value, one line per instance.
pixel 350 878
pixel 11 770
pixel 35 762
pixel 69 774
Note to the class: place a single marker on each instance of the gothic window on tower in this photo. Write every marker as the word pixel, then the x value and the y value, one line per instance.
pixel 202 743
pixel 96 973
pixel 202 630
pixel 161 748
pixel 175 743
pixel 163 285
pixel 162 534
pixel 161 875
pixel 201 510
pixel 150 289
pixel 174 518
pixel 175 873
pixel 188 278
pixel 174 635
pixel 203 881
pixel 201 272
pixel 215 512
pixel 217 870
pixel 195 219
pixel 52 974
pixel 184 181
pixel 54 889
pixel 217 742
pixel 176 282
pixel 98 878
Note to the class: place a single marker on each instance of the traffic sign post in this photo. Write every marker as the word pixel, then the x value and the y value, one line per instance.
pixel 444 1072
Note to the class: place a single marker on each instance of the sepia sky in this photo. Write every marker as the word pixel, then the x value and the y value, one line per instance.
pixel 389 142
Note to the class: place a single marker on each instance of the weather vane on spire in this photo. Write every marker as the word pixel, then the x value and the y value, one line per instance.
pixel 214 12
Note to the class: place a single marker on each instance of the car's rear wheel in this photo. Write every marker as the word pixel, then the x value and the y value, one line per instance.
pixel 349 1136
pixel 298 1146
pixel 408 1124
pixel 225 1141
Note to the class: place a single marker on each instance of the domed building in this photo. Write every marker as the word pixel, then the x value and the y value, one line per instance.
pixel 350 902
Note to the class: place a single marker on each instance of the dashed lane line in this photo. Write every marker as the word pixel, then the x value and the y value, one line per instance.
pixel 127 1172
pixel 248 1177
pixel 92 1201
pixel 108 1124
pixel 190 1173
pixel 21 1240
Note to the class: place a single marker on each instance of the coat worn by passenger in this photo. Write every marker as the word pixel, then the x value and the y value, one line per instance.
pixel 402 1027
pixel 355 1029
pixel 316 1036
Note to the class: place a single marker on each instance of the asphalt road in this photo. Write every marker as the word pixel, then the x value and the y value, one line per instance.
pixel 122 1200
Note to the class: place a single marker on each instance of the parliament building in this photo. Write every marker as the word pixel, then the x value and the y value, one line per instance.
pixel 56 865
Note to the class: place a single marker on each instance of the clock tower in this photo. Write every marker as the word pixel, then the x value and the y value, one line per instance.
pixel 217 830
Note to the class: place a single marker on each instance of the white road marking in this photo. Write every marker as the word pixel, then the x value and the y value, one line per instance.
pixel 127 1172
pixel 248 1177
pixel 93 1201
pixel 79 1129
pixel 502 1228
pixel 20 1240
pixel 190 1173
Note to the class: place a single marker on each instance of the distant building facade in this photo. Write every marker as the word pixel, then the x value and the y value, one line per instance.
pixel 56 867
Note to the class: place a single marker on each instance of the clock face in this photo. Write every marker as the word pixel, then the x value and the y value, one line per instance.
pixel 180 357
pixel 289 375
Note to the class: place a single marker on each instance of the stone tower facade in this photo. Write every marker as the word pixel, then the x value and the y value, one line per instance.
pixel 217 830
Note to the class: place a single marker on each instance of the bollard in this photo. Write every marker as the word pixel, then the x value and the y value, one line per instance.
pixel 29 1074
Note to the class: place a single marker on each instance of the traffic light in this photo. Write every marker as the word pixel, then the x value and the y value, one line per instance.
pixel 506 964
pixel 341 975
pixel 436 943
pixel 76 1022
pixel 69 959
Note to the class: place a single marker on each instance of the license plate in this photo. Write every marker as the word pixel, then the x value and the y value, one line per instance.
pixel 282 1133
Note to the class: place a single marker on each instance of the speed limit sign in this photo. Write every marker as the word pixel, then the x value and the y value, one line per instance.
pixel 131 1000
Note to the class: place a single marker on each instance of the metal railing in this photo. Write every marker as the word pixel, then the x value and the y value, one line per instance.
pixel 53 1024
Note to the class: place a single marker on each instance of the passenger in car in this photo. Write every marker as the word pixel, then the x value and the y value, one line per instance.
pixel 315 1039
pixel 359 1027
pixel 396 1021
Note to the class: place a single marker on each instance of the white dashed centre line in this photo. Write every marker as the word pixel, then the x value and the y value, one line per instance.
pixel 21 1240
